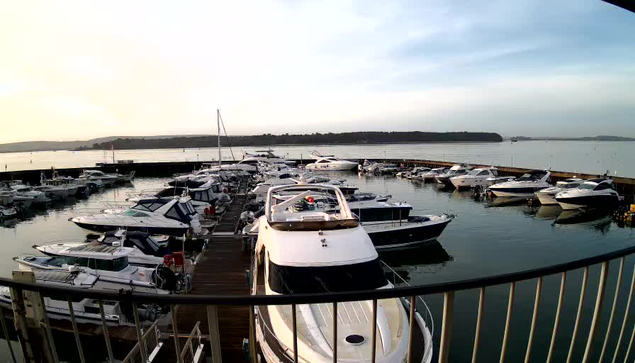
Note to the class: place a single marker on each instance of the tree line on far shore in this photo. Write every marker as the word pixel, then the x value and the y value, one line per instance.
pixel 305 139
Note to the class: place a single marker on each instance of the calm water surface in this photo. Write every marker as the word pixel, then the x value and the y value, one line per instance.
pixel 483 240
pixel 576 156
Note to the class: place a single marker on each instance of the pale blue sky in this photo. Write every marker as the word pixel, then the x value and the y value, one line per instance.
pixel 73 70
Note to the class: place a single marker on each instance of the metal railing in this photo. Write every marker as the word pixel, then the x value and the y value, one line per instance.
pixel 23 311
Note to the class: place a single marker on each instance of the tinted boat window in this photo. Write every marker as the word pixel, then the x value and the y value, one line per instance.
pixel 302 280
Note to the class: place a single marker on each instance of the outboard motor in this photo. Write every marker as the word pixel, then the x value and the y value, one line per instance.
pixel 165 278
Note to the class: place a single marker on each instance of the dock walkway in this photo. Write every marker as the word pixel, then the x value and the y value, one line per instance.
pixel 222 270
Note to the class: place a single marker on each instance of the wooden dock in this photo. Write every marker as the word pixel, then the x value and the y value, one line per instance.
pixel 222 270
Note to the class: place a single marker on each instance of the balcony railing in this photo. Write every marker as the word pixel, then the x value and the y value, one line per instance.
pixel 150 339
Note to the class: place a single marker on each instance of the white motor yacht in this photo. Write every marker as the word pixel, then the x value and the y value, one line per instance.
pixel 525 186
pixel 598 193
pixel 547 196
pixel 455 170
pixel 111 264
pixel 431 174
pixel 174 217
pixel 475 178
pixel 266 156
pixel 85 310
pixel 331 163
pixel 38 197
pixel 98 176
pixel 302 249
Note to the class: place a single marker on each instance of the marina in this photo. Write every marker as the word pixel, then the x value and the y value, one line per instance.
pixel 469 248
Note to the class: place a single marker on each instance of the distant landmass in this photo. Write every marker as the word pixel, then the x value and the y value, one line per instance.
pixel 588 138
pixel 303 139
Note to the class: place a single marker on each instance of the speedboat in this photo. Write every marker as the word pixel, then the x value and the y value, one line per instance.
pixel 266 156
pixel 412 231
pixel 432 174
pixel 174 217
pixel 597 193
pixel 38 197
pixel 136 257
pixel 475 178
pixel 302 249
pixel 202 198
pixel 547 196
pixel 98 176
pixel 525 186
pixel 8 213
pixel 331 163
pixel 456 170
pixel 111 264
pixel 85 310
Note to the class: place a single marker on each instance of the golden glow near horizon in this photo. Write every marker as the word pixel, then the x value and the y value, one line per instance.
pixel 78 70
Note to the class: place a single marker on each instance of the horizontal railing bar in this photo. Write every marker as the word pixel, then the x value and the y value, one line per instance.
pixel 247 300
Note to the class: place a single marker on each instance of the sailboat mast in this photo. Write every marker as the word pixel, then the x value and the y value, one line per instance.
pixel 218 125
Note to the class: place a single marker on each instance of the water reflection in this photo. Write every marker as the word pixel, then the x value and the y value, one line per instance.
pixel 506 201
pixel 547 212
pixel 428 258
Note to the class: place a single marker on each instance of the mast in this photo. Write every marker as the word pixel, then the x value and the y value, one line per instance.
pixel 218 125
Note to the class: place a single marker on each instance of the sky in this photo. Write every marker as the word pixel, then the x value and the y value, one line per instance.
pixel 81 69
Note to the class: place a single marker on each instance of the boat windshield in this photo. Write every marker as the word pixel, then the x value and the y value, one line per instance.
pixel 305 280
pixel 589 186
pixel 134 213
pixel 475 172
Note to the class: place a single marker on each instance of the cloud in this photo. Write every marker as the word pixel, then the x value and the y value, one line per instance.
pixel 286 66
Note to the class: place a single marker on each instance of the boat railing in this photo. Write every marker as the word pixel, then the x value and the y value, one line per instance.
pixel 398 280
pixel 592 342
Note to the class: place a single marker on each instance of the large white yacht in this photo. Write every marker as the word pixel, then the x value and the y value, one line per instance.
pixel 172 217
pixel 85 310
pixel 331 163
pixel 111 264
pixel 547 196
pixel 598 193
pixel 525 186
pixel 302 249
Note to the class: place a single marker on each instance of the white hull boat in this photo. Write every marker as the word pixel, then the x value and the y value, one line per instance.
pixel 524 187
pixel 592 194
pixel 330 163
pixel 335 255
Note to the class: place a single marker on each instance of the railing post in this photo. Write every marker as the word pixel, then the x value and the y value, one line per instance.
pixel 413 320
pixel 104 325
pixel 617 294
pixel 598 310
pixel 252 335
pixel 214 333
pixel 585 279
pixel 479 317
pixel 295 333
pixel 533 319
pixel 508 318
pixel 80 351
pixel 335 316
pixel 137 323
pixel 373 351
pixel 556 321
pixel 175 331
pixel 446 328
pixel 628 308
pixel 5 331
pixel 20 324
